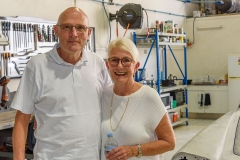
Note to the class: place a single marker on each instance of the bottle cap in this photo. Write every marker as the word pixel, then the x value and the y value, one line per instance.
pixel 109 135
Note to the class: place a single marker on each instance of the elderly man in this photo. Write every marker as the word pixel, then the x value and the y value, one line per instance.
pixel 63 88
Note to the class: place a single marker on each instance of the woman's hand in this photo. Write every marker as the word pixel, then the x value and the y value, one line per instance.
pixel 122 152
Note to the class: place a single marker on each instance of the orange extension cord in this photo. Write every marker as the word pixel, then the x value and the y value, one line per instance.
pixel 126 29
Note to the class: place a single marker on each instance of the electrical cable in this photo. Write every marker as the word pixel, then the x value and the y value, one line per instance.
pixel 147 23
pixel 110 36
pixel 117 28
pixel 147 16
pixel 126 29
pixel 193 30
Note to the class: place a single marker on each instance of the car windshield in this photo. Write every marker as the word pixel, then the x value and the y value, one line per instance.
pixel 236 147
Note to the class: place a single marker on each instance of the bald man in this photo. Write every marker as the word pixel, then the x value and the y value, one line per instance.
pixel 62 88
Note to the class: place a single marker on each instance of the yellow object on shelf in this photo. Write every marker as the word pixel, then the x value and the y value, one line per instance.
pixel 181 39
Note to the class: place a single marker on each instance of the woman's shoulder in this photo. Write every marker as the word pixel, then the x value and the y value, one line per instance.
pixel 150 91
pixel 149 94
pixel 108 89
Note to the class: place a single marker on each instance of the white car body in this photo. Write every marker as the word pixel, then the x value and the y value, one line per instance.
pixel 218 141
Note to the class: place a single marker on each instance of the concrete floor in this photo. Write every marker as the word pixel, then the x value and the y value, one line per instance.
pixel 185 133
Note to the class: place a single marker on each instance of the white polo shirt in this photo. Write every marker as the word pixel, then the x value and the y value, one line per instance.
pixel 65 99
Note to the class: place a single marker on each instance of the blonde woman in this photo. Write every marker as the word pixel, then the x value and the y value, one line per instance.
pixel 133 112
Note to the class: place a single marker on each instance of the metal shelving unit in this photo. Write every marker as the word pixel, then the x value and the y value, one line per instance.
pixel 156 44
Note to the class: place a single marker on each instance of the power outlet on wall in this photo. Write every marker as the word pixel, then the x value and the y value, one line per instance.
pixel 145 51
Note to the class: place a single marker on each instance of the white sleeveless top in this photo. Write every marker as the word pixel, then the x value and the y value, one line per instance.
pixel 144 112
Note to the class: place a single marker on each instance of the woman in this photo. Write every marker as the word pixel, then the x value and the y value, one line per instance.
pixel 134 113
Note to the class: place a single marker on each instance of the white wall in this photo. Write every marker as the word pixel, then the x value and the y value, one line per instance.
pixel 50 9
pixel 209 53
pixel 171 6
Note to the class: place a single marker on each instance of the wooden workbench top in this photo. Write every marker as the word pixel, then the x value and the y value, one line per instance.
pixel 7 119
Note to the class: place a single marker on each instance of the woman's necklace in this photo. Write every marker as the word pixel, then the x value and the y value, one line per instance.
pixel 122 115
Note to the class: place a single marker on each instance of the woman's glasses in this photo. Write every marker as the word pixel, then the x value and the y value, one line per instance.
pixel 126 62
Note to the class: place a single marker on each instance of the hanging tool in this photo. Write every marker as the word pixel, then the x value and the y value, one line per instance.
pixel 8 61
pixel 3 28
pixel 29 33
pixel 2 69
pixel 9 31
pixel 16 67
pixel 32 30
pixel 24 63
pixel 25 35
pixel 5 98
pixel 22 58
pixel 14 37
pixel 39 34
pixel 3 32
pixel 49 31
pixel 22 33
pixel 3 64
pixel 44 34
pixel 18 34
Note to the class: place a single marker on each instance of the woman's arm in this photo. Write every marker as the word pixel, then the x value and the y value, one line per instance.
pixel 166 139
pixel 166 142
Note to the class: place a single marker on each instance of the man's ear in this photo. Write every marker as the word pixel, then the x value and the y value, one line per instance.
pixel 55 30
pixel 89 32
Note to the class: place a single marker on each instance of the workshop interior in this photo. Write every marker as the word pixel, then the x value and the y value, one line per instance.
pixel 189 53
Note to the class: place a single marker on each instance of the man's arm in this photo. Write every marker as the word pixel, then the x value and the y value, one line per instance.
pixel 19 135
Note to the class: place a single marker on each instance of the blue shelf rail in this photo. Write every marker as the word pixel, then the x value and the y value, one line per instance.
pixel 198 1
pixel 156 43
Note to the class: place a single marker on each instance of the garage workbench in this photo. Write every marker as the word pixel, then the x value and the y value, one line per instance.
pixel 7 120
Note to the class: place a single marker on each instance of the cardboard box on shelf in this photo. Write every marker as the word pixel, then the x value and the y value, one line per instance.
pixel 169 26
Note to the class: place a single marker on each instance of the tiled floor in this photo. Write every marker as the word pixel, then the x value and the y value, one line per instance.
pixel 185 133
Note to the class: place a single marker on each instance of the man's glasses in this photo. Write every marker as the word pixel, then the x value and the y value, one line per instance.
pixel 126 62
pixel 68 27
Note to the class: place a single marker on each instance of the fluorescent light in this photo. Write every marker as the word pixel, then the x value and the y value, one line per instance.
pixel 3 40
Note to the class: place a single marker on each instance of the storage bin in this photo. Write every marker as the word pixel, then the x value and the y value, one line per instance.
pixel 175 117
pixel 174 104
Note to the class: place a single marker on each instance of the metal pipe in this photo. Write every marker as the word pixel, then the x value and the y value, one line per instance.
pixel 202 6
pixel 165 61
pixel 145 63
pixel 158 63
pixel 185 66
pixel 117 4
pixel 176 60
pixel 202 1
pixel 75 3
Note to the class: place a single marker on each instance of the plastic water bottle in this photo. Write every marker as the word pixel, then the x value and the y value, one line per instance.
pixel 110 143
